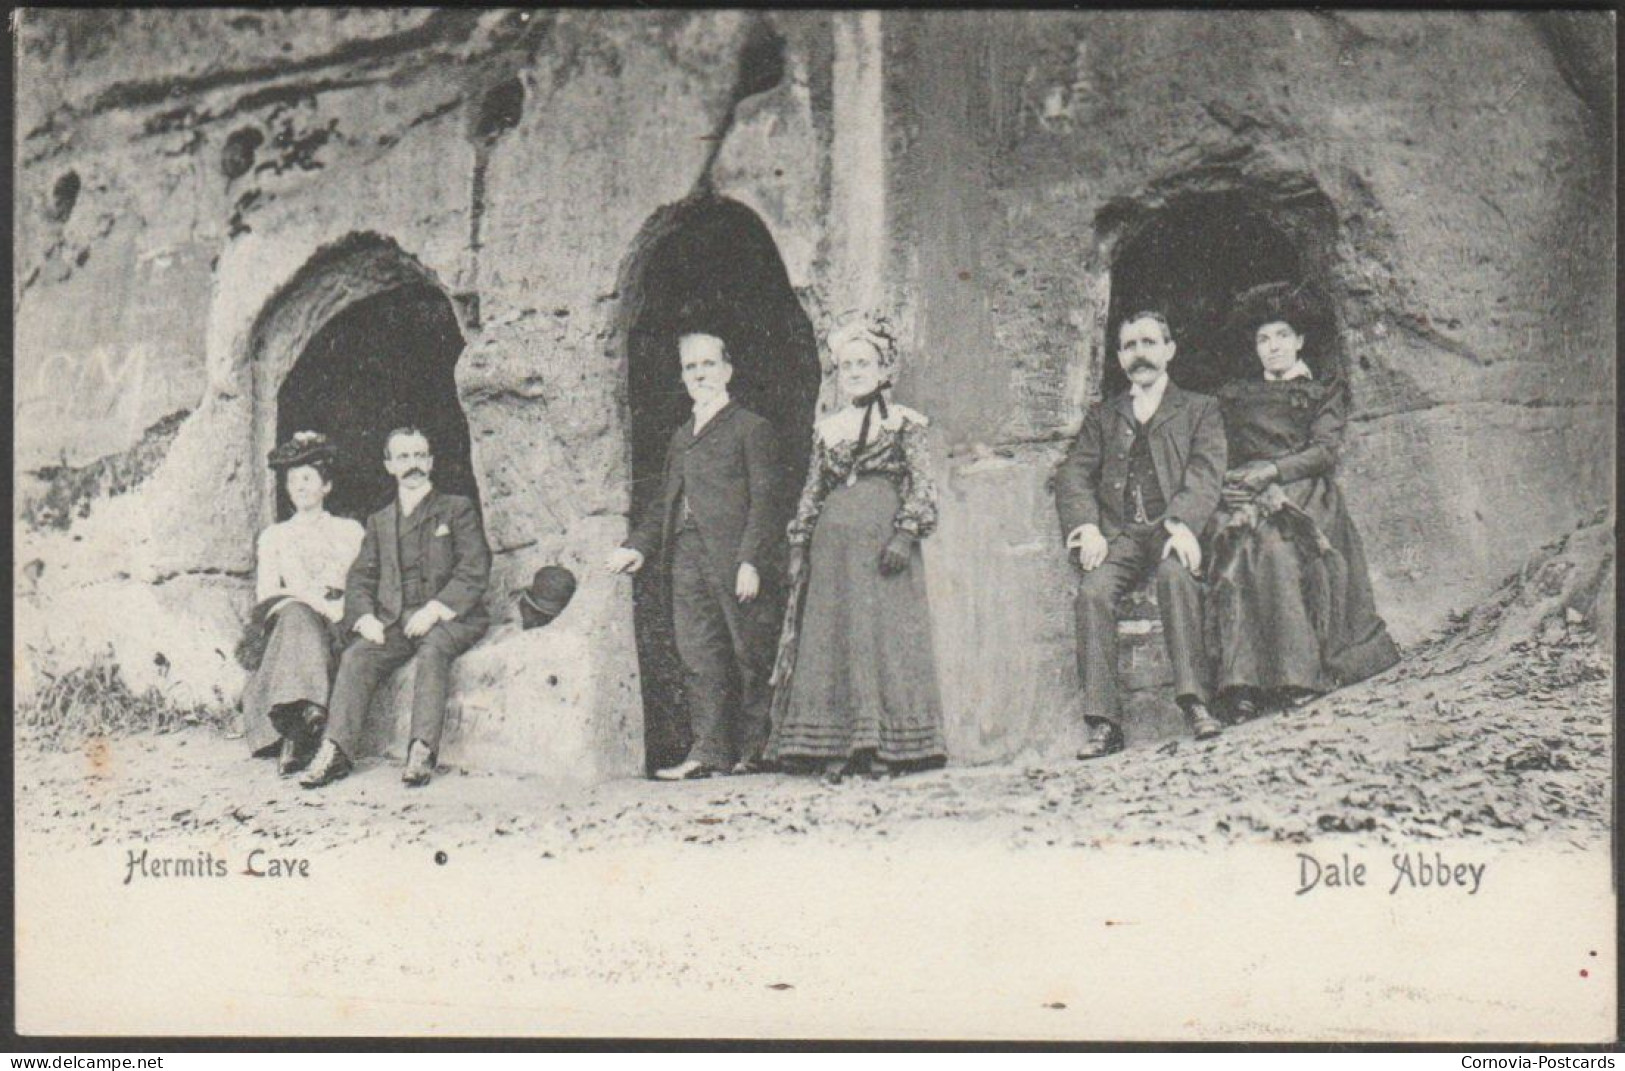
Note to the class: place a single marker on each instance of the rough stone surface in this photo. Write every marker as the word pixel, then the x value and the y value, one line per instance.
pixel 1448 179
pixel 526 702
pixel 176 636
pixel 1468 252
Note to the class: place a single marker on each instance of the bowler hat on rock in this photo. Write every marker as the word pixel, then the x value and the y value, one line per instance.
pixel 549 593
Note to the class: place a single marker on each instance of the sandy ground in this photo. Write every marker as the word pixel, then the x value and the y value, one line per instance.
pixel 1154 895
pixel 1506 748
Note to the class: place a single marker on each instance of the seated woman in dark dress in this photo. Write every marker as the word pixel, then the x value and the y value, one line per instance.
pixel 1289 607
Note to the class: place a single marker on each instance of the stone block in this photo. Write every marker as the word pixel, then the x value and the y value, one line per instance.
pixel 1001 608
pixel 1145 676
pixel 524 703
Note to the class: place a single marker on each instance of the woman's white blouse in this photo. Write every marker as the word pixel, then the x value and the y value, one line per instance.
pixel 303 557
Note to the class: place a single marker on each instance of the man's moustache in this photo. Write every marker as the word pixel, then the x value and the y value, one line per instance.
pixel 1135 366
pixel 414 472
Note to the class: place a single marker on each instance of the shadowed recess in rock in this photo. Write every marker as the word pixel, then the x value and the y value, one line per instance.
pixel 384 362
pixel 500 109
pixel 64 195
pixel 1190 261
pixel 708 265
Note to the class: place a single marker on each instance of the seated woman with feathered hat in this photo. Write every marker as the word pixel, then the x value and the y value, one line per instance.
pixel 292 637
pixel 1289 608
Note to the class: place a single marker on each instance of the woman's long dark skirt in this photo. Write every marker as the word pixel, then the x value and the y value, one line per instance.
pixel 865 678
pixel 297 668
pixel 1287 615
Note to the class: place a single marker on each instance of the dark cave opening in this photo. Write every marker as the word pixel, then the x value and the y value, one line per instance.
pixel 711 266
pixel 383 362
pixel 1190 260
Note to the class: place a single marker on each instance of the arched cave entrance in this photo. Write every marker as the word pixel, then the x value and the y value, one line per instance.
pixel 361 340
pixel 708 264
pixel 384 362
pixel 1191 259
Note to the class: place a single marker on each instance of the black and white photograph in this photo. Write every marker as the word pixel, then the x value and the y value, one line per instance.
pixel 763 524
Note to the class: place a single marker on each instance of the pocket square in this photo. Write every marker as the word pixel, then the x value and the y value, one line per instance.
pixel 442 531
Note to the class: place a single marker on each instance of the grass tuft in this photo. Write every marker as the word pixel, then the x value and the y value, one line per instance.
pixel 92 701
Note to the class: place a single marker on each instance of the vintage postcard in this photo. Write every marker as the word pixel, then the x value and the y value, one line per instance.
pixel 904 524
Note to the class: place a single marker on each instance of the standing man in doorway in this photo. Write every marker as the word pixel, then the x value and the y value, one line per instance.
pixel 416 589
pixel 1135 489
pixel 715 526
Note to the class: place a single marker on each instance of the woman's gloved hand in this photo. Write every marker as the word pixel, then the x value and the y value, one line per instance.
pixel 1253 477
pixel 894 557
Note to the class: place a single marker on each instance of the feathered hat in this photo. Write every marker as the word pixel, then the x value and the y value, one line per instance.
pixel 856 325
pixel 305 448
pixel 1293 303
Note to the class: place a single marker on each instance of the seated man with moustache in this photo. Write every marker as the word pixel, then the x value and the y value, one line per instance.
pixel 1137 485
pixel 415 590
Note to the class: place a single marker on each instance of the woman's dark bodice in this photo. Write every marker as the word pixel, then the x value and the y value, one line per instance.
pixel 1300 420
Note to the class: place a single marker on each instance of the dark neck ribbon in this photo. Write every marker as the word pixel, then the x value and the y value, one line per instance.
pixel 868 403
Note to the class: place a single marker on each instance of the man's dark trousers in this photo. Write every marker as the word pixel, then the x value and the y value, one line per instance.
pixel 438 553
pixel 713 662
pixel 365 665
pixel 1130 554
pixel 716 513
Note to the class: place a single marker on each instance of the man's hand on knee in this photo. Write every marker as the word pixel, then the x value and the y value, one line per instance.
pixel 427 617
pixel 370 628
pixel 1090 544
pixel 1182 544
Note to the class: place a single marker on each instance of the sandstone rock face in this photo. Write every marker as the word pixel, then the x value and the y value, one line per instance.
pixel 1441 180
pixel 176 637
pixel 189 218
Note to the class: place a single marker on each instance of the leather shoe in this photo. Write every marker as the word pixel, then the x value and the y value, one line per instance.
pixel 288 720
pixel 1102 738
pixel 1203 724
pixel 301 722
pixel 294 755
pixel 419 765
pixel 745 767
pixel 330 765
pixel 688 770
pixel 1243 708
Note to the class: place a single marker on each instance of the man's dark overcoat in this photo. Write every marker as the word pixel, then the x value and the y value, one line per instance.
pixel 446 530
pixel 1187 450
pixel 729 475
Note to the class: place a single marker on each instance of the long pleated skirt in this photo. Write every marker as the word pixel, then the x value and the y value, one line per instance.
pixel 865 678
pixel 297 668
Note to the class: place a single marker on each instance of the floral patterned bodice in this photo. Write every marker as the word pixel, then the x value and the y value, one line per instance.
pixel 898 453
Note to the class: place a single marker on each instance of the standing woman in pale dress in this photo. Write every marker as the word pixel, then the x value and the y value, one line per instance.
pixel 299 596
pixel 861 695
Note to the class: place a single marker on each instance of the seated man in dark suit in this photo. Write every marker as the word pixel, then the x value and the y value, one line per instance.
pixel 715 526
pixel 416 589
pixel 1138 484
